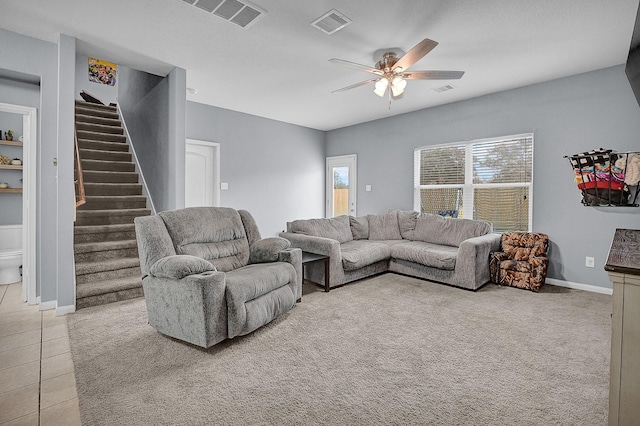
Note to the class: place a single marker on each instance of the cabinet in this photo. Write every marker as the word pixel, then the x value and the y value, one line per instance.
pixel 623 266
pixel 10 167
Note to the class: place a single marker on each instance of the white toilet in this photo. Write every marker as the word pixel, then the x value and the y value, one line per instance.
pixel 10 254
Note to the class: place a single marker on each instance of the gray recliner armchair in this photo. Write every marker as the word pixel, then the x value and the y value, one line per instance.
pixel 207 274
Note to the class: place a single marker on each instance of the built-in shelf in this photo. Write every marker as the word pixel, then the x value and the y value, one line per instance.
pixel 10 190
pixel 11 143
pixel 10 167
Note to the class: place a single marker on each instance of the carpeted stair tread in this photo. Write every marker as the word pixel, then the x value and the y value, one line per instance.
pixel 105 176
pixel 92 119
pixel 99 128
pixel 92 233
pixel 112 188
pixel 101 202
pixel 102 145
pixel 103 246
pixel 114 166
pixel 106 265
pixel 116 296
pixel 108 286
pixel 85 134
pixel 98 154
pixel 107 217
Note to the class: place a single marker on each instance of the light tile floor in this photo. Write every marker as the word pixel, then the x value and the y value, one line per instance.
pixel 37 381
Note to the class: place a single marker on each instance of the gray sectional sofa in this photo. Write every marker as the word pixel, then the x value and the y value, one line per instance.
pixel 446 250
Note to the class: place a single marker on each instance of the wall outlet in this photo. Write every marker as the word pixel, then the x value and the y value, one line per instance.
pixel 589 262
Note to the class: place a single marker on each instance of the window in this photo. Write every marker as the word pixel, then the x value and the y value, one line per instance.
pixel 488 179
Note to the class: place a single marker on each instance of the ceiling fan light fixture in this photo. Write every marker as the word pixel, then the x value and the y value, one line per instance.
pixel 381 86
pixel 398 85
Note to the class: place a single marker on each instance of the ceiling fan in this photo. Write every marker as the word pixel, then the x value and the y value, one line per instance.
pixel 392 72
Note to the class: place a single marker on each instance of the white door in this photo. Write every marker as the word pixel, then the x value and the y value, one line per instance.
pixel 202 174
pixel 341 185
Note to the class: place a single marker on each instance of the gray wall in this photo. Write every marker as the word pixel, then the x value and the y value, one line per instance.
pixel 107 94
pixel 274 170
pixel 154 110
pixel 567 116
pixel 40 59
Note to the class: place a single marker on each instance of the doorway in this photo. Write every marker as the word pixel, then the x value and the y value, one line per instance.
pixel 29 141
pixel 341 188
pixel 202 174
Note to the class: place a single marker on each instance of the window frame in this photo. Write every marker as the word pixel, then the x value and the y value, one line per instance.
pixel 469 186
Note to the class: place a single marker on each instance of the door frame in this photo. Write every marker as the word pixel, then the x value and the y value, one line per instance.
pixel 350 160
pixel 29 196
pixel 216 166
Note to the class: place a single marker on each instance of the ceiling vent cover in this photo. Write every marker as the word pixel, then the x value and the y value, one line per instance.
pixel 331 22
pixel 444 88
pixel 241 13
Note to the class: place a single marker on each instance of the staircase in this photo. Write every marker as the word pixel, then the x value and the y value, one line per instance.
pixel 106 252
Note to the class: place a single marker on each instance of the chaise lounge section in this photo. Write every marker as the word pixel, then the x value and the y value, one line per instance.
pixel 446 250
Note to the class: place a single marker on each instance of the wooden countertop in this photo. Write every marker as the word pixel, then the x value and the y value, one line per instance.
pixel 624 254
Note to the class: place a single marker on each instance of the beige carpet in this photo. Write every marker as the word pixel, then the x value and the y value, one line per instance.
pixel 386 350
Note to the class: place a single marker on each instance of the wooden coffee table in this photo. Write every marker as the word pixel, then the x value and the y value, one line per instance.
pixel 308 258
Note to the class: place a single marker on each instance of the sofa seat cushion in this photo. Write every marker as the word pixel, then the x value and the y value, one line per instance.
pixel 427 254
pixel 360 253
pixel 256 294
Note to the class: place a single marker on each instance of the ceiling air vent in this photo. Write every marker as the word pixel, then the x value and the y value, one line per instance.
pixel 241 13
pixel 331 22
pixel 444 88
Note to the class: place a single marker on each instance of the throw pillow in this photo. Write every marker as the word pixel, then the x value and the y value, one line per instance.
pixel 359 227
pixel 384 227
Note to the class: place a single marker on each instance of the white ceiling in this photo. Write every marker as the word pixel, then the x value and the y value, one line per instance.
pixel 278 68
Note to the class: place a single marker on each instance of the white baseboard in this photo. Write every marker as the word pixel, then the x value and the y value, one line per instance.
pixel 45 306
pixel 64 310
pixel 579 286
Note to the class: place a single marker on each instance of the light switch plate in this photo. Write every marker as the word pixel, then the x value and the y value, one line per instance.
pixel 224 186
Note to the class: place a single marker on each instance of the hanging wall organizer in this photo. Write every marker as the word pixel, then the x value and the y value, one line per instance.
pixel 607 178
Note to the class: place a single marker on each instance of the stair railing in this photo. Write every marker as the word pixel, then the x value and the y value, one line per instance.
pixel 79 179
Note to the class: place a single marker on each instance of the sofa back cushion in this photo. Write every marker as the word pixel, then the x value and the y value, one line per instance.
pixel 384 226
pixel 215 234
pixel 359 227
pixel 432 228
pixel 407 223
pixel 337 228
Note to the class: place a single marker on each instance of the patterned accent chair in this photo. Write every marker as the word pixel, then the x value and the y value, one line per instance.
pixel 522 262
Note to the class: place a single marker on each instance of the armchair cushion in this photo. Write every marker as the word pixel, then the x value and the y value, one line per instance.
pixel 179 266
pixel 267 249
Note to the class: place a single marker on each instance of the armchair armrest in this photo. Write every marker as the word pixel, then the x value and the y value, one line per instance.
pixel 179 266
pixel 267 249
pixel 294 257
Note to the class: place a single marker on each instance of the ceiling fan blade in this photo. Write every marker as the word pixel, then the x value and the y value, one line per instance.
pixel 416 53
pixel 362 83
pixel 432 75
pixel 356 66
